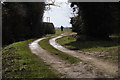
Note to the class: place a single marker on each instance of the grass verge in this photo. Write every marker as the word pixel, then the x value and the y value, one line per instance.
pixel 19 62
pixel 110 47
pixel 45 45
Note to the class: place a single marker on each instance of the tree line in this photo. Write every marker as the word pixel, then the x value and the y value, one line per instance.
pixel 96 20
pixel 22 20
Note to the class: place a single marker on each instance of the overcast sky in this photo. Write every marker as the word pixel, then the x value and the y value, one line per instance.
pixel 59 16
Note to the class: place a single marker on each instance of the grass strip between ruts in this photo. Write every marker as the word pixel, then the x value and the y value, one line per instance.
pixel 46 45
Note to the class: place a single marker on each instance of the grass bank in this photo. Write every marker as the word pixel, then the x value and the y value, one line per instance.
pixel 110 48
pixel 45 45
pixel 19 62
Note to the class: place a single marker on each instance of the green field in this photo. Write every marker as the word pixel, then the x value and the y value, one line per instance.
pixel 58 32
pixel 19 62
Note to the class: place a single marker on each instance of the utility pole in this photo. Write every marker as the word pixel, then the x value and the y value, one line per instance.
pixel 48 19
pixel 48 4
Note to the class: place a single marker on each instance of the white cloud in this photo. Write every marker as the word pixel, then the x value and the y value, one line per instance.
pixel 59 15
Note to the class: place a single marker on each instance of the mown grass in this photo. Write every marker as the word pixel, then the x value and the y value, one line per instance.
pixel 91 46
pixel 58 32
pixel 19 62
pixel 45 45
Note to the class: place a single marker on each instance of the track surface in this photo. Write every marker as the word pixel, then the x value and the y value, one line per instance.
pixel 79 70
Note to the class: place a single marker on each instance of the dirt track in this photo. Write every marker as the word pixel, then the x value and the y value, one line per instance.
pixel 108 68
pixel 79 70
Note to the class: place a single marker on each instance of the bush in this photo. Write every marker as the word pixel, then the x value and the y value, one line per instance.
pixel 48 28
